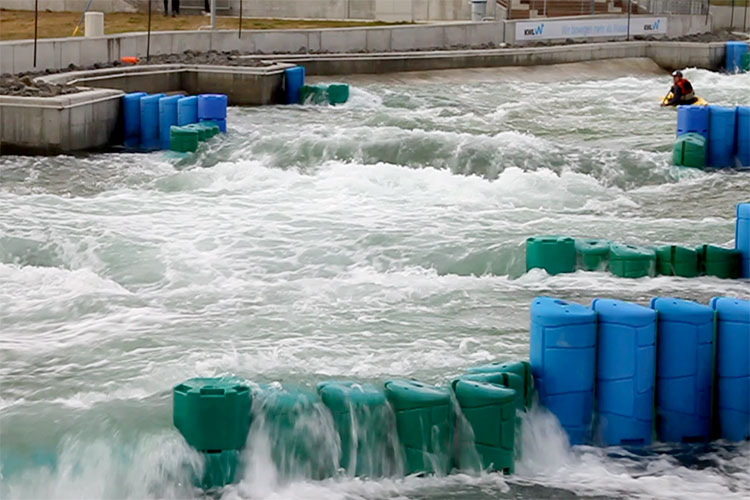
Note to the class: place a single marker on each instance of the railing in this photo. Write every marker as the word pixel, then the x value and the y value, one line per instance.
pixel 525 9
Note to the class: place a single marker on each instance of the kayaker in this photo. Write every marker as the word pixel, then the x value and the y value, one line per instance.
pixel 682 91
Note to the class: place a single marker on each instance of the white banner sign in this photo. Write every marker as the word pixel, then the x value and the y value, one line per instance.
pixel 545 29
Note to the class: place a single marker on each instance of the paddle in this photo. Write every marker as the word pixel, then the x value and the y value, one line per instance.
pixel 665 98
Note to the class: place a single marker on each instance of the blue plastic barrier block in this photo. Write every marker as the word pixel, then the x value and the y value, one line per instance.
pixel 131 116
pixel 742 236
pixel 735 51
pixel 167 118
pixel 721 135
pixel 733 367
pixel 742 142
pixel 187 110
pixel 212 106
pixel 150 121
pixel 563 351
pixel 294 79
pixel 692 119
pixel 684 366
pixel 625 370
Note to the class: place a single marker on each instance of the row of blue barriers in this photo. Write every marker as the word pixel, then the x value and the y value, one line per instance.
pixel 147 118
pixel 726 130
pixel 614 372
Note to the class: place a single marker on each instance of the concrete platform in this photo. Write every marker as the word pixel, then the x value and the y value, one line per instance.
pixel 89 119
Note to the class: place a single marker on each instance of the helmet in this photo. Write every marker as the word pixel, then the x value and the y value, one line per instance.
pixel 677 73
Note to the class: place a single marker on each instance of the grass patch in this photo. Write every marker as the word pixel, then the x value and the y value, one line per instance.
pixel 19 25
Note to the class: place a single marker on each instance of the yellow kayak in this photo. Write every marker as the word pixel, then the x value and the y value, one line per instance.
pixel 700 102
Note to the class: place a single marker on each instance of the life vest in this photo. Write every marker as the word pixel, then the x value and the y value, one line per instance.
pixel 686 90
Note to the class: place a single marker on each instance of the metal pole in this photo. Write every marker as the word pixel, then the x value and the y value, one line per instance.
pixel 213 14
pixel 731 18
pixel 629 12
pixel 36 26
pixel 241 19
pixel 148 37
pixel 744 23
pixel 708 9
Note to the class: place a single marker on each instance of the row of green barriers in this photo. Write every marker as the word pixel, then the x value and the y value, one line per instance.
pixel 358 429
pixel 562 254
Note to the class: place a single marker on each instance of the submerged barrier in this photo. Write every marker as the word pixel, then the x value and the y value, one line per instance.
pixel 405 427
pixel 712 136
pixel 614 374
pixel 666 350
pixel 297 92
pixel 561 254
pixel 149 121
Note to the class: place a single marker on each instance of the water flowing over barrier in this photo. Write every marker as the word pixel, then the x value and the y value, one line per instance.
pixel 677 370
pixel 560 254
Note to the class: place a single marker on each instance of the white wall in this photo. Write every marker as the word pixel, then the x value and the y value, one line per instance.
pixel 722 16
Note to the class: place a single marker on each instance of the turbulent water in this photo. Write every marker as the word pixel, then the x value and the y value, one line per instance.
pixel 379 239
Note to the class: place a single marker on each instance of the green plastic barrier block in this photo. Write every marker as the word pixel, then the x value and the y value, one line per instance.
pixel 338 93
pixel 212 414
pixel 517 376
pixel 207 129
pixel 490 409
pixel 630 261
pixel 300 431
pixel 220 469
pixel 746 61
pixel 724 263
pixel 554 254
pixel 363 420
pixel 183 139
pixel 673 260
pixel 424 422
pixel 313 94
pixel 690 151
pixel 592 255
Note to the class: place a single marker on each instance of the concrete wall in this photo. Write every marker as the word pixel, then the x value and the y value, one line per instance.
pixel 722 16
pixel 52 125
pixel 58 53
pixel 73 5
pixel 668 55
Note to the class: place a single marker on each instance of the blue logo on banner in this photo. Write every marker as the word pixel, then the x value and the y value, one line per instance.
pixel 534 31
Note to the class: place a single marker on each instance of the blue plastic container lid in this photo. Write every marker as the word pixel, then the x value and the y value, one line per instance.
pixel 188 100
pixel 170 99
pixel 549 311
pixel 715 109
pixel 732 309
pixel 685 311
pixel 217 97
pixel 133 96
pixel 626 313
pixel 296 69
pixel 743 210
pixel 736 43
pixel 153 98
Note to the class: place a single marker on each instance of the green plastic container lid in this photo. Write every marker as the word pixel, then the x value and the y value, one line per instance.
pixel 183 131
pixel 341 396
pixel 476 393
pixel 338 93
pixel 212 414
pixel 631 252
pixel 593 246
pixel 287 401
pixel 410 394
